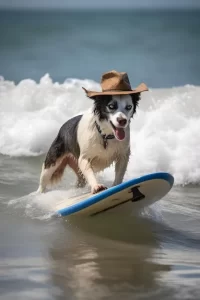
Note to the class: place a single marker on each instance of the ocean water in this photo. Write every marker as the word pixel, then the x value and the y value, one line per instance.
pixel 158 47
pixel 45 59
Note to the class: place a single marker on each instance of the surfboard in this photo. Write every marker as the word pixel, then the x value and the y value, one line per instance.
pixel 144 190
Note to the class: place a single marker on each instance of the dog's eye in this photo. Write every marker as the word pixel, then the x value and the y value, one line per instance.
pixel 112 106
pixel 128 107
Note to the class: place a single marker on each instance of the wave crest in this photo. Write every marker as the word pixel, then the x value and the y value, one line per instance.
pixel 165 133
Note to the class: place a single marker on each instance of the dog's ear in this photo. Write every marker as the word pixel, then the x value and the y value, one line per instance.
pixel 135 99
pixel 94 98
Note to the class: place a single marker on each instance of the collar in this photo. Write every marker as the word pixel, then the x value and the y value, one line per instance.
pixel 104 136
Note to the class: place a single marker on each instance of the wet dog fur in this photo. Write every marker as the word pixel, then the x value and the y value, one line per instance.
pixel 84 145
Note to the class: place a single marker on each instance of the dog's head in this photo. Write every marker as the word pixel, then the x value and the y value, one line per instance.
pixel 117 110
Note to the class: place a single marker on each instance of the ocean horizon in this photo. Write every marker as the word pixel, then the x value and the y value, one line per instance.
pixel 159 47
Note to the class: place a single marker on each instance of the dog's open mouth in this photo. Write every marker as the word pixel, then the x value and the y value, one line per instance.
pixel 118 132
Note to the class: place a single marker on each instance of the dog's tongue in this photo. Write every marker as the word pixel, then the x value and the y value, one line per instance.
pixel 120 133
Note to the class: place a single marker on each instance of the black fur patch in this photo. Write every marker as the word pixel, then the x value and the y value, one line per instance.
pixel 135 99
pixel 100 103
pixel 65 142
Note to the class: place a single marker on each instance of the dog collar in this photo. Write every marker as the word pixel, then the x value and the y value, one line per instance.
pixel 104 136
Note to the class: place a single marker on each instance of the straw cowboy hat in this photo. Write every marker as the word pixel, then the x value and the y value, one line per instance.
pixel 116 83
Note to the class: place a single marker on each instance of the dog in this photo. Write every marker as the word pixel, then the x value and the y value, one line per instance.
pixel 93 141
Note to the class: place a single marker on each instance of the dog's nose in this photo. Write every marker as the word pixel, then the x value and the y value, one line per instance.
pixel 121 121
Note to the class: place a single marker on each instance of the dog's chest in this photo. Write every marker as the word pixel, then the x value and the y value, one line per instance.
pixel 101 157
pixel 91 145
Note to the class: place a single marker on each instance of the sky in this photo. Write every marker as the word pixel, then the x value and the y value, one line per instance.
pixel 52 4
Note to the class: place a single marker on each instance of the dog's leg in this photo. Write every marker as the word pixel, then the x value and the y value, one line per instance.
pixel 54 173
pixel 72 162
pixel 120 168
pixel 46 176
pixel 87 171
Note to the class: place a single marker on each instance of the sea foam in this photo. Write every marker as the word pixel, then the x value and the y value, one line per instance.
pixel 165 132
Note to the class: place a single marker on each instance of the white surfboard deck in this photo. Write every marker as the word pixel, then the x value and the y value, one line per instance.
pixel 144 191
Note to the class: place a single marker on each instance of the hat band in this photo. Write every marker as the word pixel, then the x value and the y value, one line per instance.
pixel 112 90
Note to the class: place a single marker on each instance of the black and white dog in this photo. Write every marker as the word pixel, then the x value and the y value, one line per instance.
pixel 91 142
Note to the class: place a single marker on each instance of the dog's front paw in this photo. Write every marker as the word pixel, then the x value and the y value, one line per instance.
pixel 98 188
pixel 41 190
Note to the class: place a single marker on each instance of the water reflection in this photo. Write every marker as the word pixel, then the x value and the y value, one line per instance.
pixel 106 258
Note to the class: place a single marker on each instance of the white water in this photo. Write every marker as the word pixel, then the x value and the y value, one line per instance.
pixel 165 133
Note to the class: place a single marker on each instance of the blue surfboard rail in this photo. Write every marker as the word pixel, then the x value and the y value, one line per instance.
pixel 112 190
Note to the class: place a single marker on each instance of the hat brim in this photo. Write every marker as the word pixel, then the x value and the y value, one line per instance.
pixel 141 88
